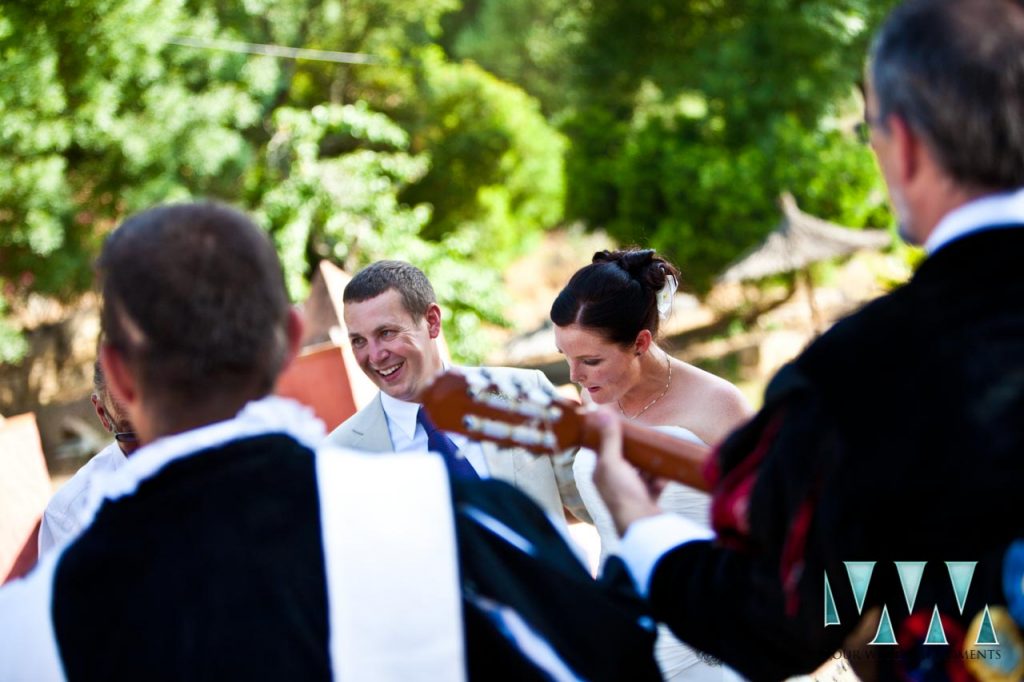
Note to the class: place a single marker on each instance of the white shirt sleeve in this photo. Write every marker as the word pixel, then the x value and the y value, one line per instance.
pixel 54 529
pixel 28 643
pixel 64 517
pixel 647 540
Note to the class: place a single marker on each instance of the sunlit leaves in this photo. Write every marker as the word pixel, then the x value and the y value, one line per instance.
pixel 347 208
pixel 495 161
pixel 692 117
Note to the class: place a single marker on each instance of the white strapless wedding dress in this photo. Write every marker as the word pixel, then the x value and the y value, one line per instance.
pixel 676 660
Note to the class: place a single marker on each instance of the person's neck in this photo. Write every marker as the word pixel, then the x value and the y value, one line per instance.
pixel 651 383
pixel 942 200
pixel 437 366
pixel 170 420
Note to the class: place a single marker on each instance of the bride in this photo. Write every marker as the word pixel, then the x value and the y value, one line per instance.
pixel 606 324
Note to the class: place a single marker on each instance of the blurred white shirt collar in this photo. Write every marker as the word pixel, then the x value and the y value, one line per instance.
pixel 989 212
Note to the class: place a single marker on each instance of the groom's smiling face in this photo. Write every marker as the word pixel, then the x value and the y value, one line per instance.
pixel 397 351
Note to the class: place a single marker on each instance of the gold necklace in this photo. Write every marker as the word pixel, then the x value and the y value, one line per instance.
pixel 650 404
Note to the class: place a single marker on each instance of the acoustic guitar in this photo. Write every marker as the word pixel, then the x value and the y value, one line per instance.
pixel 482 407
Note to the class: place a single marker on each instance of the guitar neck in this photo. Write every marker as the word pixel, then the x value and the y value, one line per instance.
pixel 658 453
pixel 485 411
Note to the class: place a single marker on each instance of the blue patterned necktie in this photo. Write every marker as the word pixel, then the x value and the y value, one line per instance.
pixel 437 441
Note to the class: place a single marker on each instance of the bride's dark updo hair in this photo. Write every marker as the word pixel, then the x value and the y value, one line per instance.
pixel 616 295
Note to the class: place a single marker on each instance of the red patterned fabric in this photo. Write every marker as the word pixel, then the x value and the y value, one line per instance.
pixel 730 502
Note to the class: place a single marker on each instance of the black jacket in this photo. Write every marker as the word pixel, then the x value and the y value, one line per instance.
pixel 896 436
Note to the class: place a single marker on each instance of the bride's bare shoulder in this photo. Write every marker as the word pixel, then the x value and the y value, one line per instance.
pixel 714 406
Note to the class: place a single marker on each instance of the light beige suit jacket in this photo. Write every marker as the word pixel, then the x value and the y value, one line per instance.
pixel 547 479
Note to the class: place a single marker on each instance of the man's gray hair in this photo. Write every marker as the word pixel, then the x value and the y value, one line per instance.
pixel 954 71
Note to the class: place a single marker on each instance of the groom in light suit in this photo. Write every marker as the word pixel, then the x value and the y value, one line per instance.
pixel 393 322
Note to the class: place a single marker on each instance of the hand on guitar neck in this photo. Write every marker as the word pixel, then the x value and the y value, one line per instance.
pixel 483 408
pixel 630 494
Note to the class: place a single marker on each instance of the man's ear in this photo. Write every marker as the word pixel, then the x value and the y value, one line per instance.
pixel 296 325
pixel 907 146
pixel 120 381
pixel 101 412
pixel 433 317
pixel 643 341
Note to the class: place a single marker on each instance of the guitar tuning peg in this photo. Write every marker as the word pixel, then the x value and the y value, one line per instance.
pixel 507 387
pixel 539 396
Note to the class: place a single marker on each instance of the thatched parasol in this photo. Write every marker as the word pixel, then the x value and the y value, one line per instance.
pixel 799 241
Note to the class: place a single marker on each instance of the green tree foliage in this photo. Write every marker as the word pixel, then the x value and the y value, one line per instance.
pixel 102 114
pixel 681 121
pixel 496 162
pixel 338 207
pixel 346 208
pixel 392 32
pixel 67 74
pixel 12 344
pixel 528 42
pixel 675 185
pixel 685 145
pixel 99 117
pixel 687 118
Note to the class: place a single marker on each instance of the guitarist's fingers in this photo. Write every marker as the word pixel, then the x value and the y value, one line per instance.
pixel 626 494
pixel 610 428
pixel 655 484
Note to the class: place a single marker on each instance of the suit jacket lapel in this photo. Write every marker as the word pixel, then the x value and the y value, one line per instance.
pixel 371 430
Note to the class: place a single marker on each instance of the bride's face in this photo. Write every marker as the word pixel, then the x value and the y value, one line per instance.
pixel 605 370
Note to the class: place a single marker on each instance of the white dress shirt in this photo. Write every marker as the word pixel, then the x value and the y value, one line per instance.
pixel 408 435
pixel 62 519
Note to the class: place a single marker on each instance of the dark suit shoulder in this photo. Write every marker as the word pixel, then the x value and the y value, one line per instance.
pixel 512 556
pixel 515 509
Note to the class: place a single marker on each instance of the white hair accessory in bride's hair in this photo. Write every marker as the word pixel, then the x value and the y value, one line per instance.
pixel 665 296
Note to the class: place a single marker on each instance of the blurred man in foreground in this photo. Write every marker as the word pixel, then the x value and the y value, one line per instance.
pixel 896 440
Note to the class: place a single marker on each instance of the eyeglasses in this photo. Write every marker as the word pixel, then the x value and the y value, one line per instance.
pixel 128 441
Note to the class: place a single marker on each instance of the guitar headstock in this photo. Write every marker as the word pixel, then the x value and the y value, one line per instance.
pixel 483 406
